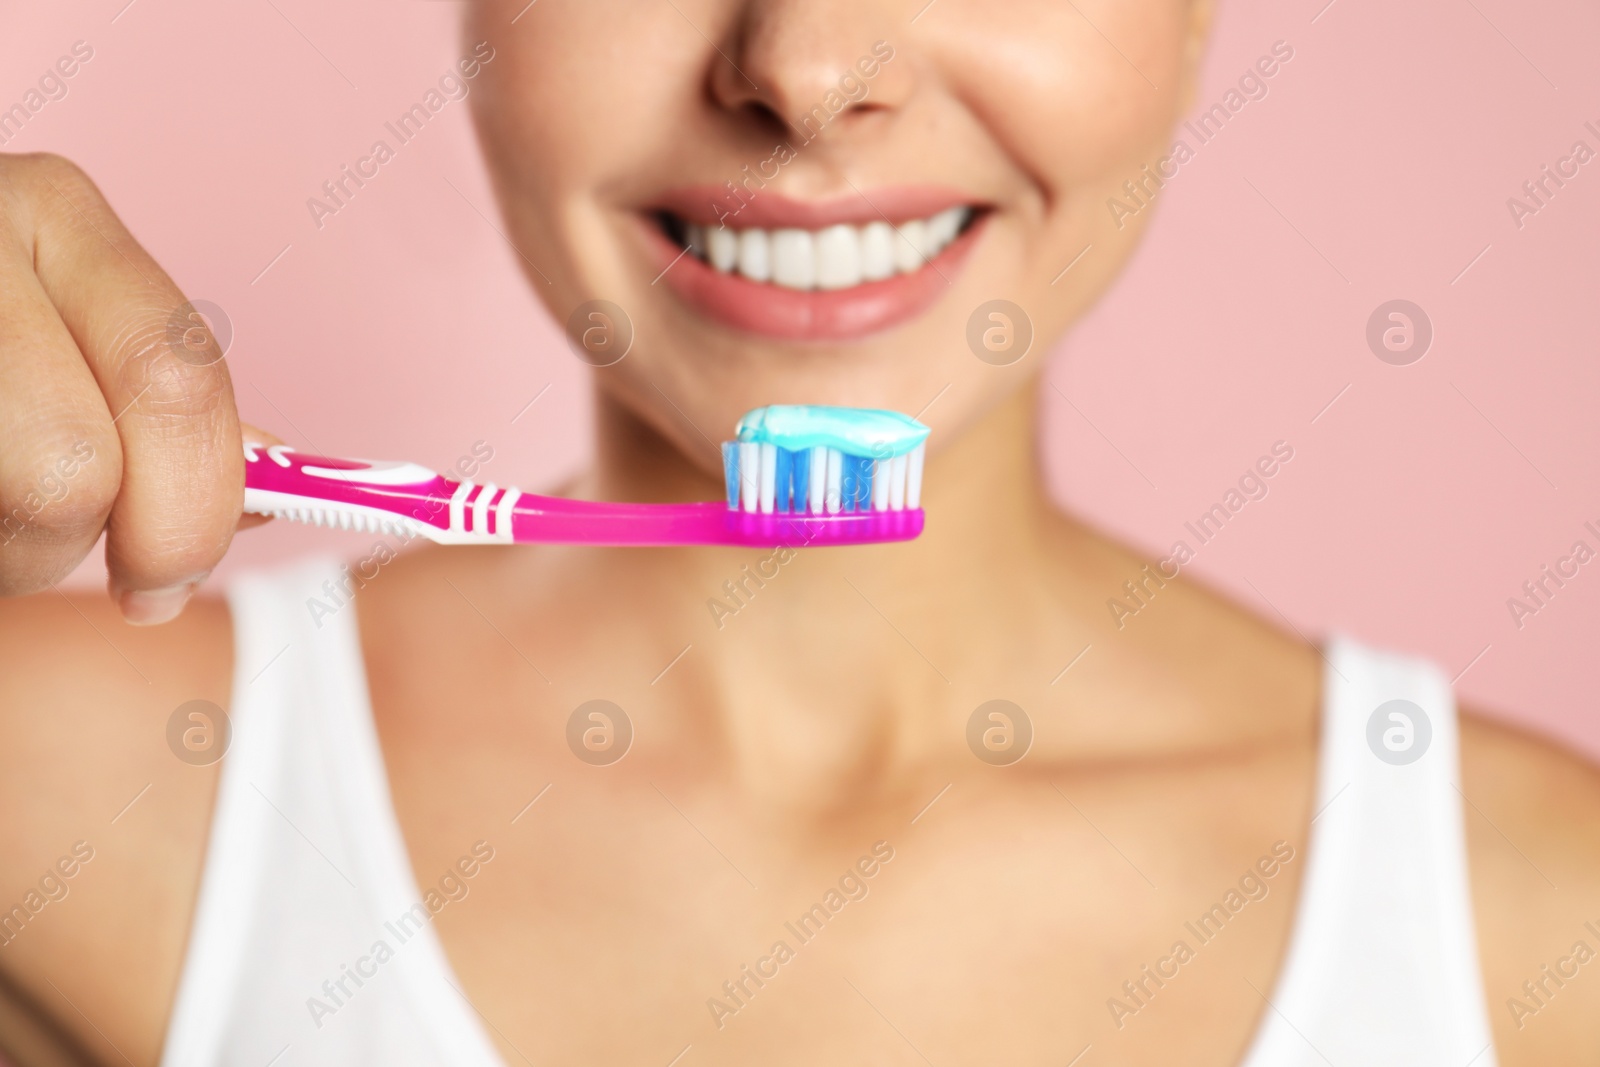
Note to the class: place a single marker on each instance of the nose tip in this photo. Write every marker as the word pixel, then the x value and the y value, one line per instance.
pixel 805 64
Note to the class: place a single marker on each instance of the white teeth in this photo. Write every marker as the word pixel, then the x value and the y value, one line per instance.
pixel 944 226
pixel 836 257
pixel 910 244
pixel 794 259
pixel 722 247
pixel 877 251
pixel 755 255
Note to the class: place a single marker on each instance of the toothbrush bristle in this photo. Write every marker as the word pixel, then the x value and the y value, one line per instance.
pixel 766 479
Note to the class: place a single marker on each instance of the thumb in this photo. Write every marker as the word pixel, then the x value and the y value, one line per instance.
pixel 255 436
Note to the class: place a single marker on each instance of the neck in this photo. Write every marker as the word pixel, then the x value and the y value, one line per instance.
pixel 845 664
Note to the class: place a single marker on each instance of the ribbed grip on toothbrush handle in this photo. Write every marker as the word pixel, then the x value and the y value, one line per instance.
pixel 401 498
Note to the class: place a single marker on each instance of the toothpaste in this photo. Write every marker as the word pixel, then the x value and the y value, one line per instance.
pixel 858 431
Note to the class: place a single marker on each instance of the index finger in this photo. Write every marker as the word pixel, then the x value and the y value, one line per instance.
pixel 164 379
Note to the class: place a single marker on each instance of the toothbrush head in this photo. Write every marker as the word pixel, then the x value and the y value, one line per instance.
pixel 813 461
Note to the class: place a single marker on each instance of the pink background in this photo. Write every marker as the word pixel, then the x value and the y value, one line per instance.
pixel 1377 168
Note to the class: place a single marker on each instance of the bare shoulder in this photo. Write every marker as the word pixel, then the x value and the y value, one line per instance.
pixel 1533 842
pixel 106 814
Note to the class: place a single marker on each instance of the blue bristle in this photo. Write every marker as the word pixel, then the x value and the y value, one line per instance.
pixel 730 472
pixel 863 483
pixel 802 478
pixel 784 469
pixel 850 483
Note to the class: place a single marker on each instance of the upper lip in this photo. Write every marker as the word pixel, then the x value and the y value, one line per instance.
pixel 769 210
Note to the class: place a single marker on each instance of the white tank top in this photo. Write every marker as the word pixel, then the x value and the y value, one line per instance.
pixel 306 875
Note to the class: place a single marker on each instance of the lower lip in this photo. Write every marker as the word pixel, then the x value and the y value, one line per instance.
pixel 809 315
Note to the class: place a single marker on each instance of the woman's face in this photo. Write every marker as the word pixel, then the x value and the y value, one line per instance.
pixel 857 179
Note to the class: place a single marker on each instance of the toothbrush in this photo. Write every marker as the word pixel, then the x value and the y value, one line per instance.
pixel 807 474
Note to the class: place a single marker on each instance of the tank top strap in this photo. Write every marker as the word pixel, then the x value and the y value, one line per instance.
pixel 306 870
pixel 1382 966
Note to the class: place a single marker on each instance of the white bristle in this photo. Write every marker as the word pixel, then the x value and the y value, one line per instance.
pixel 833 498
pixel 816 488
pixel 769 477
pixel 749 475
pixel 914 477
pixel 897 482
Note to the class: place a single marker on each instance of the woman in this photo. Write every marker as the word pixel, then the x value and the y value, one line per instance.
pixel 799 830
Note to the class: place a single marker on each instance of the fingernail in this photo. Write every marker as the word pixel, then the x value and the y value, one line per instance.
pixel 151 607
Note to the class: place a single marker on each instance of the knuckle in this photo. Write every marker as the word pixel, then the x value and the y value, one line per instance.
pixel 61 492
pixel 161 384
pixel 41 189
pixel 53 192
pixel 30 174
pixel 48 168
pixel 51 163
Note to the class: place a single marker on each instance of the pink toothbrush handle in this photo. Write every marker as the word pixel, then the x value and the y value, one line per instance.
pixel 404 498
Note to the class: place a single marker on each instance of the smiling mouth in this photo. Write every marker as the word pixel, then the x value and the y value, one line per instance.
pixel 836 257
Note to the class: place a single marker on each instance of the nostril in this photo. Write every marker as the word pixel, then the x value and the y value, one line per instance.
pixel 766 118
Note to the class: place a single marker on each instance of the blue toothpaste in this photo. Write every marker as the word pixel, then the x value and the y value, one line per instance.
pixel 856 431
pixel 810 458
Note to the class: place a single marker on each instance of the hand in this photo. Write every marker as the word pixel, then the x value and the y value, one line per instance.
pixel 116 409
